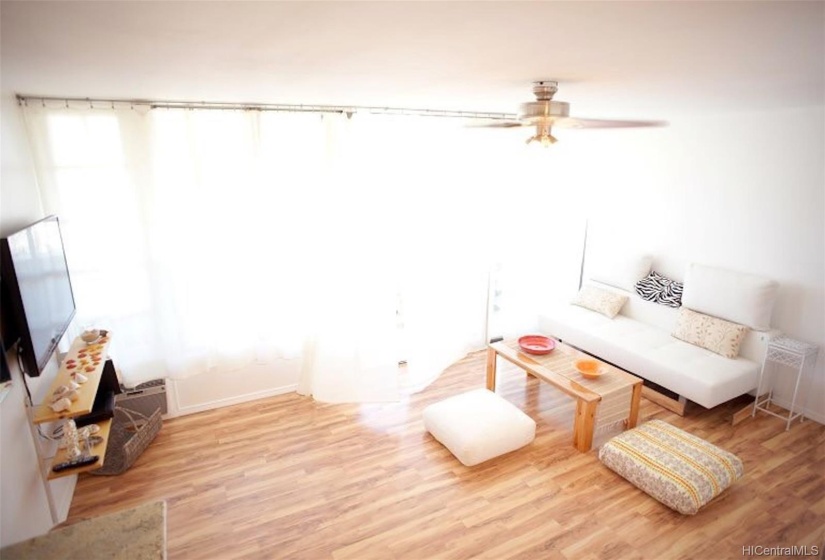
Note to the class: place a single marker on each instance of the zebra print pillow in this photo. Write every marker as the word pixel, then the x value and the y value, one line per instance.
pixel 660 289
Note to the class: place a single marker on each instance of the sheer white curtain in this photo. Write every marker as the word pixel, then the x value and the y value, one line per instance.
pixel 216 239
pixel 350 348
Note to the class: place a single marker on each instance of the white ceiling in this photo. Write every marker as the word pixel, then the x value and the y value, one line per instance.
pixel 612 59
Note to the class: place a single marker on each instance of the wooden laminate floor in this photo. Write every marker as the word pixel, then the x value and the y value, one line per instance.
pixel 287 477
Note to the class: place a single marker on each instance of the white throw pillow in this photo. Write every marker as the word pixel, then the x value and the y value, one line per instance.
pixel 741 298
pixel 622 272
pixel 602 301
pixel 711 333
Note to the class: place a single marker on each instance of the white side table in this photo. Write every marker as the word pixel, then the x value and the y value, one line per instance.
pixel 790 352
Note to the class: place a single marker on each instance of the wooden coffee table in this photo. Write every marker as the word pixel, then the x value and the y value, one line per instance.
pixel 587 399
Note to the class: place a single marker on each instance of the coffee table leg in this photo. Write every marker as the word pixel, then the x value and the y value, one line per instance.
pixel 583 425
pixel 491 369
pixel 635 401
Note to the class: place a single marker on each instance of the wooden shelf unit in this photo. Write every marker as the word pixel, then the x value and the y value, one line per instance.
pixel 99 450
pixel 86 392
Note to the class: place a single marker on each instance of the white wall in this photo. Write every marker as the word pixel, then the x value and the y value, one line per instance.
pixel 741 191
pixel 218 389
pixel 19 197
pixel 24 511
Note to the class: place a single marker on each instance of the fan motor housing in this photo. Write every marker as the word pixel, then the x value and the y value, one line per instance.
pixel 542 109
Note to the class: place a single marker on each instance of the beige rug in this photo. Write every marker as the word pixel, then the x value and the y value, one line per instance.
pixel 133 534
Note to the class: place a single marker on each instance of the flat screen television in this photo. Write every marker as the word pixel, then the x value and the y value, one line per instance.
pixel 38 302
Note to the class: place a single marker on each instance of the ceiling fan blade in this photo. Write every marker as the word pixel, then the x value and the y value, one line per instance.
pixel 499 124
pixel 570 122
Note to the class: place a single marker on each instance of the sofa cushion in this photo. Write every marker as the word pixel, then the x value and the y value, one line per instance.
pixel 647 312
pixel 601 301
pixel 717 335
pixel 742 298
pixel 621 271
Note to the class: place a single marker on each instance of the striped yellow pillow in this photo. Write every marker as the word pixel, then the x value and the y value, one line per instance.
pixel 682 471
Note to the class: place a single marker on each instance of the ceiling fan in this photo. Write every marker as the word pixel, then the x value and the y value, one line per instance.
pixel 544 113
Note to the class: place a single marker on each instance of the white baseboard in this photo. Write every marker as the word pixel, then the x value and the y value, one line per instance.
pixel 179 410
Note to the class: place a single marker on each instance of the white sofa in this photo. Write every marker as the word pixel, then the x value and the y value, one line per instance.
pixel 639 339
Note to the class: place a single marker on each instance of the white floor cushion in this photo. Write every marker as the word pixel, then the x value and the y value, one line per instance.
pixel 478 425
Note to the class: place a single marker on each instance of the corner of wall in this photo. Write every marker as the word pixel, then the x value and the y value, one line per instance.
pixel 24 509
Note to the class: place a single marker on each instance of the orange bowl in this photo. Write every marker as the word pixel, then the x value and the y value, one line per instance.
pixel 590 369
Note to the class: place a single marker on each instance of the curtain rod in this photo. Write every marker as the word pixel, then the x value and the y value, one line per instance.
pixel 25 100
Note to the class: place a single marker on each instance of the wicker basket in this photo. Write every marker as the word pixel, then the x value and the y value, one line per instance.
pixel 130 435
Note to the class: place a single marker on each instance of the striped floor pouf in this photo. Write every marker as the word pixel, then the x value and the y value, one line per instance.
pixel 680 470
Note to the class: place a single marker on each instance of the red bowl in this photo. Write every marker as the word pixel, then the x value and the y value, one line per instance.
pixel 536 344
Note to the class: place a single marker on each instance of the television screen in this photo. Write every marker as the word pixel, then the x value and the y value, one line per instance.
pixel 39 290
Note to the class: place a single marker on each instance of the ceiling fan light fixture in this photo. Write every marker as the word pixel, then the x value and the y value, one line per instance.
pixel 543 135
pixel 545 140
